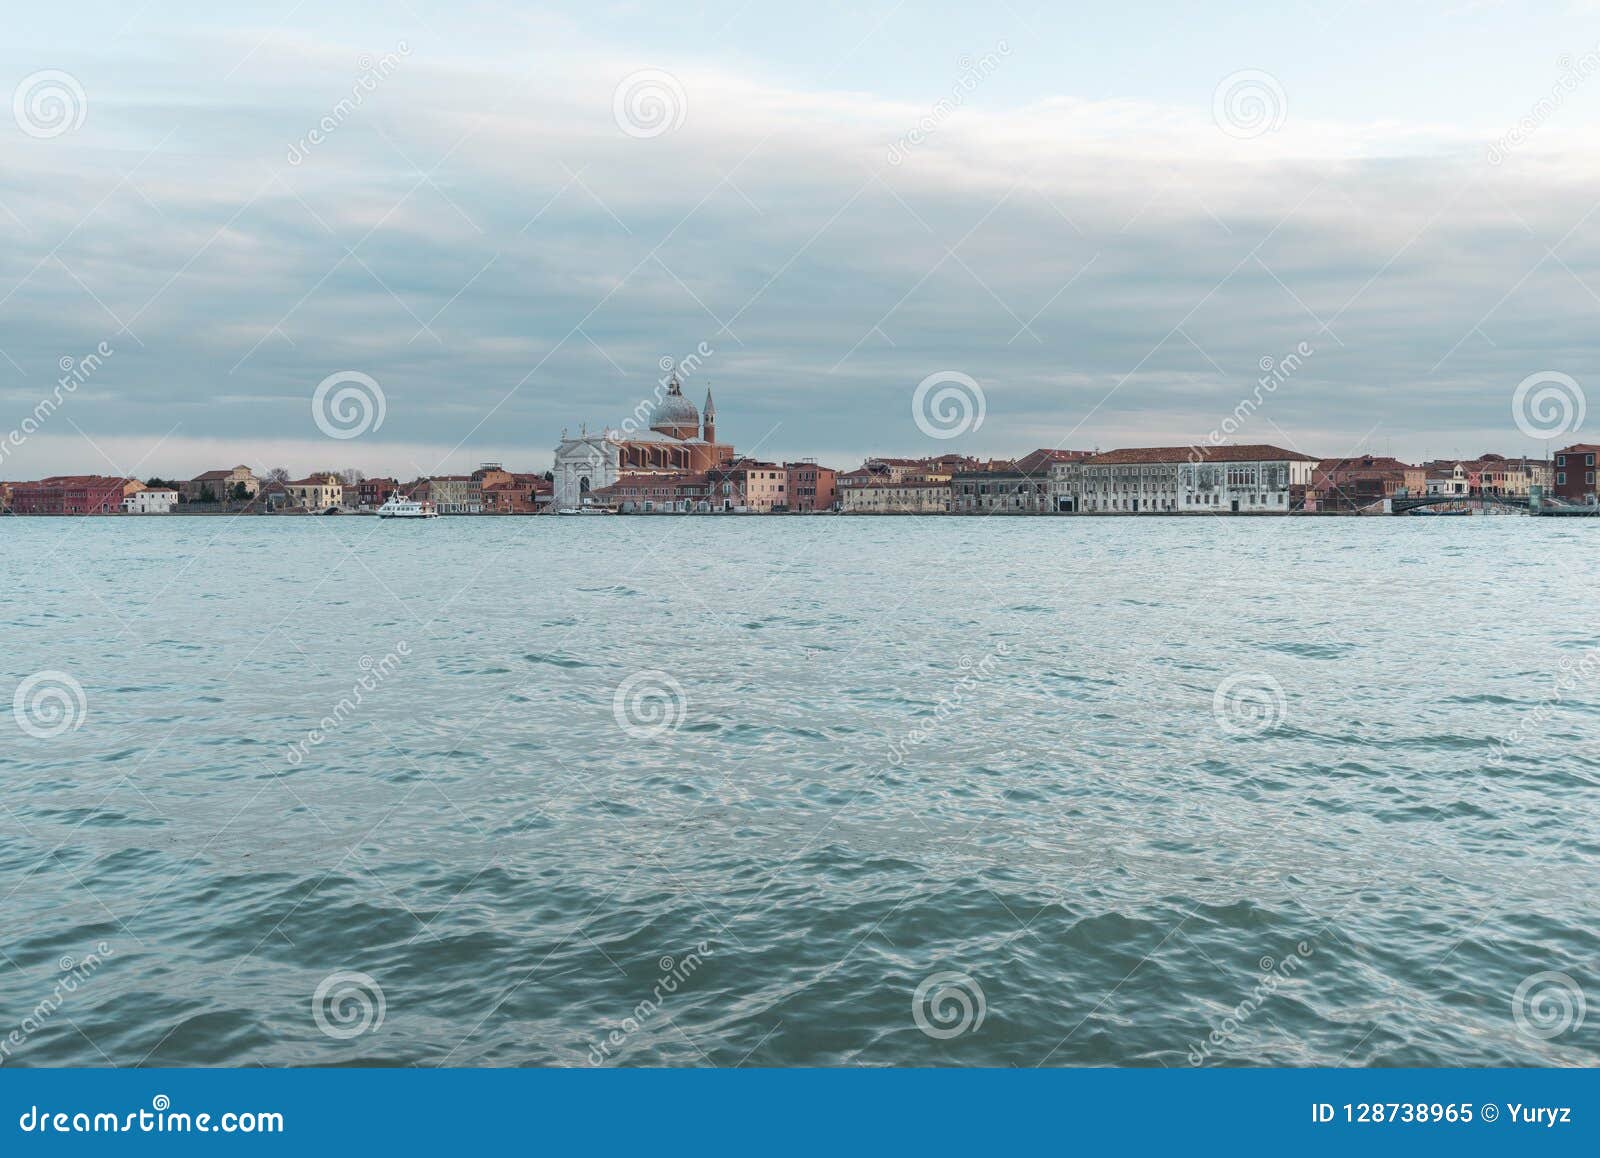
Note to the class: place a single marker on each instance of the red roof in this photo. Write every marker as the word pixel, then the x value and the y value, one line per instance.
pixel 1252 452
pixel 1042 459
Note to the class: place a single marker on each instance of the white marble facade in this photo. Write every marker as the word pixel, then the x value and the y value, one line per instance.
pixel 584 464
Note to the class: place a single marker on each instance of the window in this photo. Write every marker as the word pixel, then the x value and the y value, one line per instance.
pixel 1561 460
pixel 1561 478
pixel 1588 460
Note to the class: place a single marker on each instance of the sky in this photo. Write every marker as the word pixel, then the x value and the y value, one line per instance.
pixel 1095 226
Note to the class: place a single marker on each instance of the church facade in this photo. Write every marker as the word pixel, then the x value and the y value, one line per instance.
pixel 681 439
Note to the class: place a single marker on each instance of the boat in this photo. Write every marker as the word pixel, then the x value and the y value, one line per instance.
pixel 402 508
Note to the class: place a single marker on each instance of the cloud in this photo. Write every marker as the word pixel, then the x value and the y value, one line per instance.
pixel 506 261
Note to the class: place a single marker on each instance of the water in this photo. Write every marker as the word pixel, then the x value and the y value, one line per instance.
pixel 864 753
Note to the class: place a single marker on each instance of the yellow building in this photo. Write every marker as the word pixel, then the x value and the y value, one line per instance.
pixel 316 493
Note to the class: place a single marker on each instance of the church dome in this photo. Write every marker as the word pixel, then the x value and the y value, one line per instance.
pixel 675 415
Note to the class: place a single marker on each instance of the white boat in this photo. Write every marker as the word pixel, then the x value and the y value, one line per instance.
pixel 404 508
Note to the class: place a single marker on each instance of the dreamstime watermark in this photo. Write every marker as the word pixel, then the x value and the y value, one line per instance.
pixel 74 972
pixel 1548 1004
pixel 1571 76
pixel 374 673
pixel 1570 674
pixel 1249 103
pixel 347 1004
pixel 372 74
pixel 649 704
pixel 1274 373
pixel 950 704
pixel 675 973
pixel 1248 703
pixel 948 404
pixel 155 1120
pixel 681 369
pixel 948 1004
pixel 1548 404
pixel 1273 975
pixel 49 704
pixel 973 73
pixel 74 373
pixel 648 103
pixel 49 103
pixel 347 404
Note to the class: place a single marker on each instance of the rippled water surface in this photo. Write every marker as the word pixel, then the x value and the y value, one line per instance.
pixel 850 755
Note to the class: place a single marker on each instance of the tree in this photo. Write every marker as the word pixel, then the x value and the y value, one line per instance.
pixel 278 474
pixel 160 484
pixel 350 476
pixel 207 495
pixel 241 493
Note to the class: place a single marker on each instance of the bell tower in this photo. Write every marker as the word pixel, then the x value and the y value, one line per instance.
pixel 708 419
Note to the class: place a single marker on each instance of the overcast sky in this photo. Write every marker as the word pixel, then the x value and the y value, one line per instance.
pixel 1107 218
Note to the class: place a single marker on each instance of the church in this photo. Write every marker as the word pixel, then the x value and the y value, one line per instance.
pixel 681 439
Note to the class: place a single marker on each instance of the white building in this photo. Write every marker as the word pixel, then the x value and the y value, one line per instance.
pixel 909 496
pixel 1255 479
pixel 1451 480
pixel 584 464
pixel 150 502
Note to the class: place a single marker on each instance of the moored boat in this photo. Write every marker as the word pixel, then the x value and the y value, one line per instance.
pixel 398 507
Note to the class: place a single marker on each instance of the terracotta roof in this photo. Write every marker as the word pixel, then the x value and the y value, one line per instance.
pixel 1251 452
pixel 79 480
pixel 1366 462
pixel 1043 459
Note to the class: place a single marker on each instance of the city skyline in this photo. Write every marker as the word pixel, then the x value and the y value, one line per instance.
pixel 1111 252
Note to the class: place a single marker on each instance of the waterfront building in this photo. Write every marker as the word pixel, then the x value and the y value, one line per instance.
pixel 657 492
pixel 5 496
pixel 1513 476
pixel 516 494
pixel 679 439
pixel 1574 474
pixel 811 487
pixel 901 486
pixel 274 496
pixel 1351 484
pixel 1491 473
pixel 747 486
pixel 371 493
pixel 151 501
pixel 456 494
pixel 1447 480
pixel 910 496
pixel 317 492
pixel 217 486
pixel 1029 486
pixel 1250 479
pixel 72 494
